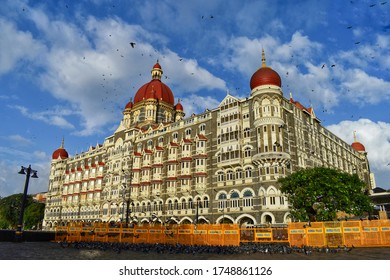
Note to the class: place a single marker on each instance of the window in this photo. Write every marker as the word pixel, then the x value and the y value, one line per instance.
pixel 206 202
pixel 248 199
pixel 220 176
pixel 175 136
pixel 234 199
pixel 247 132
pixel 248 172
pixel 202 128
pixel 222 202
pixel 247 152
pixel 229 175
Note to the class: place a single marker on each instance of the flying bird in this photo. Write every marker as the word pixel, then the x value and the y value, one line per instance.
pixel 357 43
pixel 372 5
pixel 333 65
pixel 349 27
pixel 132 44
pixel 323 65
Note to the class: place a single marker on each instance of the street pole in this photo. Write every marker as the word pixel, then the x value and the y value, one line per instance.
pixel 19 229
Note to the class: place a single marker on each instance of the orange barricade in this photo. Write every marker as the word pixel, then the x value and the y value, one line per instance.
pixel 352 233
pixel 231 235
pixel 318 234
pixel 297 234
pixel 184 234
pixel 100 234
pixel 200 234
pixel 385 231
pixel 315 234
pixel 61 234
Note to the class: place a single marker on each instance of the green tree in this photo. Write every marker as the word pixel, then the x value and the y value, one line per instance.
pixel 33 215
pixel 317 194
pixel 10 211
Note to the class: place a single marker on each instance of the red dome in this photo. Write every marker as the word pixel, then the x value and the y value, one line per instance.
pixel 265 76
pixel 129 105
pixel 357 146
pixel 179 107
pixel 157 66
pixel 155 89
pixel 60 153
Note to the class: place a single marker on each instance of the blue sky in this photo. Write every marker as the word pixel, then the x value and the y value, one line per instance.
pixel 67 68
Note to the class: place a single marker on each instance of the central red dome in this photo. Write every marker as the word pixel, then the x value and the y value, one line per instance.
pixel 155 89
pixel 265 75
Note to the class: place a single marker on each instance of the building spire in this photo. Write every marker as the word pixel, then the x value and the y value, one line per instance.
pixel 263 64
pixel 354 136
pixel 62 143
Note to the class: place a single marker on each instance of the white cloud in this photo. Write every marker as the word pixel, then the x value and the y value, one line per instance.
pixel 17 47
pixel 372 135
pixel 19 140
pixel 198 104
pixel 362 88
pixel 94 68
pixel 53 117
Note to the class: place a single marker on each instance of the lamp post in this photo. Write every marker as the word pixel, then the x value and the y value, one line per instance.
pixel 24 171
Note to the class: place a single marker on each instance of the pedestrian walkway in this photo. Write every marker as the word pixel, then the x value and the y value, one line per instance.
pixel 58 251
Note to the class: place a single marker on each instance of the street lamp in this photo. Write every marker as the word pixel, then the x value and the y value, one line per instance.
pixel 24 171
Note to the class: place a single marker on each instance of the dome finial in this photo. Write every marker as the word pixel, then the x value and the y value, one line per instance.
pixel 62 142
pixel 263 64
pixel 157 71
pixel 354 136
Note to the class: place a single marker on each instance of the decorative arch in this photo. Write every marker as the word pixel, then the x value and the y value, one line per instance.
pixel 267 218
pixel 246 219
pixel 225 219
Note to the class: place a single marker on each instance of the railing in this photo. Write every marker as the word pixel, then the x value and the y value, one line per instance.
pixel 317 234
pixel 203 234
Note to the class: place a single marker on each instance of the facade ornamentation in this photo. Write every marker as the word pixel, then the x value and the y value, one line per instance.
pixel 220 166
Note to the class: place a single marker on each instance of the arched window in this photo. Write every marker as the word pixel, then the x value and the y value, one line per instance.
pixel 202 129
pixel 175 137
pixel 247 152
pixel 234 199
pixel 248 199
pixel 229 175
pixel 150 144
pixel 247 132
pixel 206 202
pixel 222 201
pixel 190 204
pixel 199 203
pixel 221 176
pixel 248 172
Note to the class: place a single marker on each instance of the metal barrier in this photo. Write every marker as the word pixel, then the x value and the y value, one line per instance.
pixel 355 233
pixel 216 235
pixel 317 234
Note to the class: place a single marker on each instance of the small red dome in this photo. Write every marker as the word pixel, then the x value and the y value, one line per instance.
pixel 157 66
pixel 60 153
pixel 265 76
pixel 129 105
pixel 155 89
pixel 179 107
pixel 357 146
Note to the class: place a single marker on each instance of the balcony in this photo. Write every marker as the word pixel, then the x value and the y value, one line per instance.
pixel 262 158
